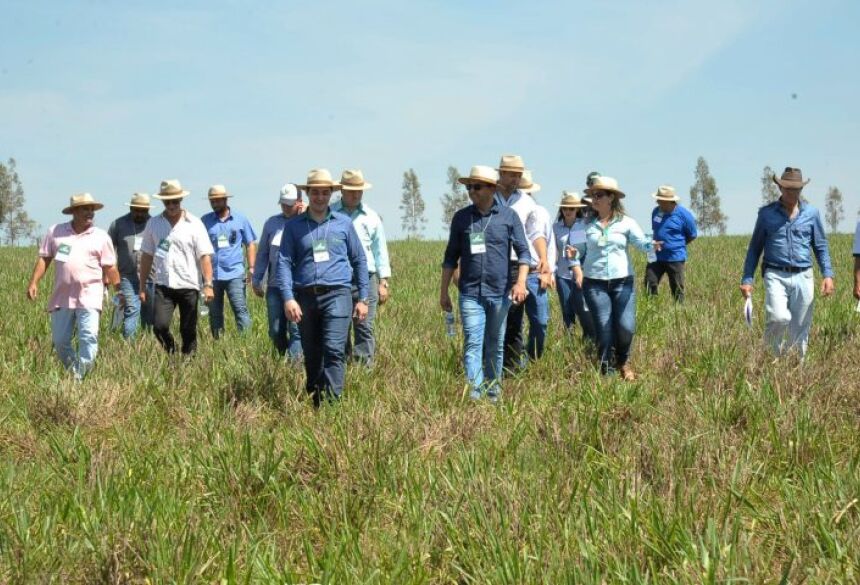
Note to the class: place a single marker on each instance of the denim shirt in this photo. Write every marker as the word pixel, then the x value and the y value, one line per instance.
pixel 675 229
pixel 296 265
pixel 228 262
pixel 368 226
pixel 787 242
pixel 486 275
pixel 562 235
pixel 604 254
pixel 268 250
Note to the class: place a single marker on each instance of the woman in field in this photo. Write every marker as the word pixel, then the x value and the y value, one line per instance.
pixel 569 230
pixel 608 275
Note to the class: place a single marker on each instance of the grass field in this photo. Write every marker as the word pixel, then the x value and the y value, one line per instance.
pixel 718 465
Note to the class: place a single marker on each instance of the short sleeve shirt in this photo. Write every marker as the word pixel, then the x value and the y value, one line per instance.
pixel 227 237
pixel 79 260
pixel 176 250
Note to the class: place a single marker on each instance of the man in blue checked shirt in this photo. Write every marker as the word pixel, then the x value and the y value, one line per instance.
pixel 674 227
pixel 788 231
pixel 368 225
pixel 283 332
pixel 229 231
pixel 481 239
pixel 319 258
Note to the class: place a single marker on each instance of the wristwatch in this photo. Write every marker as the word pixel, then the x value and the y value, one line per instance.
pixel 207 285
pixel 365 301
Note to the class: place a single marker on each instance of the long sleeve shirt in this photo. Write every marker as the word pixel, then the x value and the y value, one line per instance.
pixel 368 226
pixel 328 253
pixel 545 223
pixel 675 229
pixel 787 242
pixel 268 250
pixel 481 244
pixel 567 235
pixel 604 252
pixel 526 210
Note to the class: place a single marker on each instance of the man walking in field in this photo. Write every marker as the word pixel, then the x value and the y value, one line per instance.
pixel 178 244
pixel 788 231
pixel 229 231
pixel 481 240
pixel 126 233
pixel 84 259
pixel 675 227
pixel 538 285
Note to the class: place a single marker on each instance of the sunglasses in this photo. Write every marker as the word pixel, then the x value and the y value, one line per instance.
pixel 475 186
pixel 171 202
pixel 600 194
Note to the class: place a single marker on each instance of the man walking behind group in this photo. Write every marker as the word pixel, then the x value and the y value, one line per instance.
pixel 675 227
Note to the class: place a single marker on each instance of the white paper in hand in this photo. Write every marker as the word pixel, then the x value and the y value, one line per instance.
pixel 748 311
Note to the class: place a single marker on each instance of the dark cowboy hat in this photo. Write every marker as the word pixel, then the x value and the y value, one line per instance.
pixel 791 178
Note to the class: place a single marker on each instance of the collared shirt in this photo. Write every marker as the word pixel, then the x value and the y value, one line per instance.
pixel 605 254
pixel 268 251
pixel 368 225
pixel 485 274
pixel 857 240
pixel 79 260
pixel 127 238
pixel 545 221
pixel 227 237
pixel 562 235
pixel 345 255
pixel 176 250
pixel 524 206
pixel 787 242
pixel 675 229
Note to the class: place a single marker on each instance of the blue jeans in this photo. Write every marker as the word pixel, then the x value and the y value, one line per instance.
pixel 63 322
pixel 573 307
pixel 537 310
pixel 283 332
pixel 613 306
pixel 483 321
pixel 788 309
pixel 364 347
pixel 133 314
pixel 235 290
pixel 324 327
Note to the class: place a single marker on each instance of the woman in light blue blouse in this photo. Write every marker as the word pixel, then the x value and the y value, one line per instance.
pixel 568 230
pixel 608 274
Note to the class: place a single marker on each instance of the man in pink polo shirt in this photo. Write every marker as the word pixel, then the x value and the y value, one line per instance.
pixel 84 260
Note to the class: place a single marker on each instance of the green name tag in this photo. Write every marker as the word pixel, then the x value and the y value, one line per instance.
pixel 163 247
pixel 63 252
pixel 477 243
pixel 321 251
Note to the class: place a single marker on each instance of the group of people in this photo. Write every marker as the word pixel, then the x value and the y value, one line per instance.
pixel 326 269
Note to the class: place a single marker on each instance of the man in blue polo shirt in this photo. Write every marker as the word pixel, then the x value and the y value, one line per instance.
pixel 320 253
pixel 481 239
pixel 675 227
pixel 229 231
pixel 788 231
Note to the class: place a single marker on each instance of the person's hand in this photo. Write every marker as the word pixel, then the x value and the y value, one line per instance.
pixel 857 290
pixel 360 311
pixel 445 301
pixel 208 294
pixel 32 291
pixel 299 206
pixel 577 278
pixel 249 276
pixel 545 280
pixel 121 298
pixel 258 290
pixel 746 290
pixel 383 292
pixel 658 245
pixel 293 311
pixel 142 296
pixel 518 293
pixel 827 287
pixel 570 252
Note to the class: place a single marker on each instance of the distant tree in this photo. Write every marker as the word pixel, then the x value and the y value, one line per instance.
pixel 412 206
pixel 14 221
pixel 705 201
pixel 454 199
pixel 769 190
pixel 834 213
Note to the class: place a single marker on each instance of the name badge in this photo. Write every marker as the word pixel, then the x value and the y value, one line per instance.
pixel 223 242
pixel 577 237
pixel 138 241
pixel 163 247
pixel 477 243
pixel 276 239
pixel 320 251
pixel 658 218
pixel 63 253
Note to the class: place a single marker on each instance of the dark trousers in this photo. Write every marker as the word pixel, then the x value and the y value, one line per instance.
pixel 323 328
pixel 514 349
pixel 166 300
pixel 675 270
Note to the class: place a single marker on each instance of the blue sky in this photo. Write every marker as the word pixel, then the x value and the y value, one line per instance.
pixel 111 98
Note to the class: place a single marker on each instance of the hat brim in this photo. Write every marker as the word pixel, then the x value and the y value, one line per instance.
pixel 790 184
pixel 219 196
pixel 172 196
pixel 533 189
pixel 470 180
pixel 97 205
pixel 332 186
pixel 364 187
pixel 591 190
pixel 658 197
pixel 511 169
pixel 135 206
pixel 572 206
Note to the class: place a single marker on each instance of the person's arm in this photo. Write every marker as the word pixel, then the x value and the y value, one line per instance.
pixel 518 291
pixel 450 263
pixel 636 236
pixel 692 231
pixel 857 277
pixel 252 259
pixel 754 250
pixel 358 261
pixel 286 260
pixel 444 297
pixel 261 262
pixel 39 270
pixel 206 270
pixel 145 268
pixel 379 249
pixel 822 254
pixel 577 275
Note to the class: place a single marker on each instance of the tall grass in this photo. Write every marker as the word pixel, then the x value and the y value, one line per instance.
pixel 718 465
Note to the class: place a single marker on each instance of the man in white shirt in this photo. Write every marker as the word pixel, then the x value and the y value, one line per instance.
pixel 178 244
pixel 538 285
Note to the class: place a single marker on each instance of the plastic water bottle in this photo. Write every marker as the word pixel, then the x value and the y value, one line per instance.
pixel 204 308
pixel 450 328
pixel 652 253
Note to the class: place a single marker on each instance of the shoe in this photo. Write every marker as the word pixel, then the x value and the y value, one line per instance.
pixel 475 395
pixel 627 373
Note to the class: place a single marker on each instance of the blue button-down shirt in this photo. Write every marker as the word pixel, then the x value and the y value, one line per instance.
pixel 228 262
pixel 268 250
pixel 486 275
pixel 296 266
pixel 604 254
pixel 675 229
pixel 787 242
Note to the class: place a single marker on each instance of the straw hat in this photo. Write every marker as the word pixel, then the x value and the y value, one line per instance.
pixel 170 189
pixel 512 162
pixel 353 180
pixel 792 178
pixel 80 200
pixel 527 185
pixel 571 199
pixel 218 192
pixel 666 193
pixel 602 183
pixel 480 174
pixel 140 201
pixel 319 178
pixel 289 195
